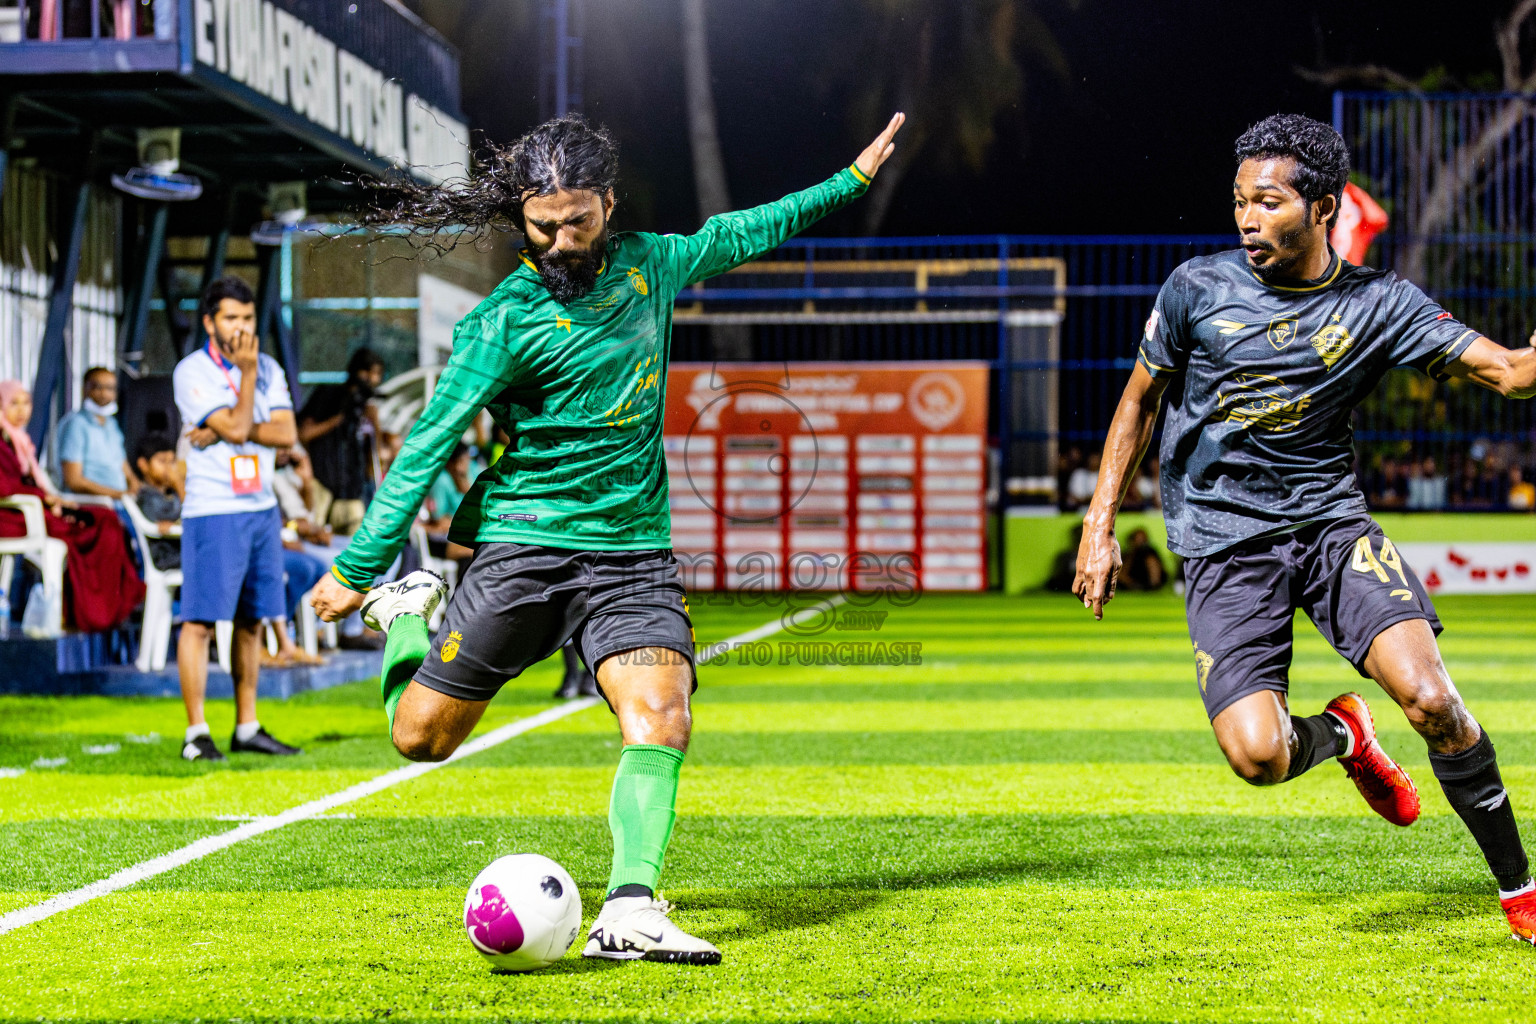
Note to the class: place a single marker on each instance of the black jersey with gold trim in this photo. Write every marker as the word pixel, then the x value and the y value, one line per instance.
pixel 1257 437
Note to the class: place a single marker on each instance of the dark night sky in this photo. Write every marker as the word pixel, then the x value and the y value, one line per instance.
pixel 1135 139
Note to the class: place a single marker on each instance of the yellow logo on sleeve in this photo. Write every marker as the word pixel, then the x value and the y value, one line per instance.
pixel 451 645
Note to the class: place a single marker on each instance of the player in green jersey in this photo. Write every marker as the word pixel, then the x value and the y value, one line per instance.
pixel 571 527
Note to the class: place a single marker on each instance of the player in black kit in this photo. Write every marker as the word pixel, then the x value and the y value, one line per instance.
pixel 1268 350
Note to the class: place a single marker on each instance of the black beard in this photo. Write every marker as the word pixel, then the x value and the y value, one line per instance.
pixel 571 276
pixel 1280 269
pixel 1275 269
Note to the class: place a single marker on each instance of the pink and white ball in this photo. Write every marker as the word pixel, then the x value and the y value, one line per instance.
pixel 522 912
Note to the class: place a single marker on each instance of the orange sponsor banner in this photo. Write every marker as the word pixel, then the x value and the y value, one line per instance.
pixel 828 476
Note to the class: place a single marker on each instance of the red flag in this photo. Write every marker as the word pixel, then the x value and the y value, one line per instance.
pixel 1360 221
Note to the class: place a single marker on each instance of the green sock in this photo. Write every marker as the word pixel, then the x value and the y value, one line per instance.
pixel 641 813
pixel 405 649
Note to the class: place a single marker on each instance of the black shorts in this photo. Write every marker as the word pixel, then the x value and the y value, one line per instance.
pixel 519 603
pixel 1344 573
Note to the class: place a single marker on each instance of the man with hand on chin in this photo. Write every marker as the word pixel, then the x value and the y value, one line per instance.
pixel 235 404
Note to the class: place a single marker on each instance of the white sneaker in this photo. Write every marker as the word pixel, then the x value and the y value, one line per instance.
pixel 416 593
pixel 637 928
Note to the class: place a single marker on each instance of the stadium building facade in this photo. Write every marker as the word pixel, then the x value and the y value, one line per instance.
pixel 147 148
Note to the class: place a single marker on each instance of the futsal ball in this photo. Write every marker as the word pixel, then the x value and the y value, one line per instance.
pixel 522 912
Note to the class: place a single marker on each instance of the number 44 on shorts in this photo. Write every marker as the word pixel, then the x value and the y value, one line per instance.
pixel 1366 560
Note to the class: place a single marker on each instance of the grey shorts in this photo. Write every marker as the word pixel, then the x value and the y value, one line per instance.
pixel 519 603
pixel 1344 573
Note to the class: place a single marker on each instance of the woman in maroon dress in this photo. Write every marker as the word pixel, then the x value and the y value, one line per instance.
pixel 100 584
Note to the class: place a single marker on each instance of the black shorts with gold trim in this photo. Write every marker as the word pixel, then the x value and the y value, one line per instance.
pixel 1344 573
pixel 519 603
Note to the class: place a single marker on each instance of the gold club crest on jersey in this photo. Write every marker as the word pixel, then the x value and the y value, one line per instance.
pixel 1332 342
pixel 1282 331
pixel 451 645
pixel 637 281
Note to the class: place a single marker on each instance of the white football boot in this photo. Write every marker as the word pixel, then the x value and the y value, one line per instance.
pixel 638 928
pixel 416 593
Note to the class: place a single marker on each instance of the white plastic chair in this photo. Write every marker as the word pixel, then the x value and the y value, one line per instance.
pixel 43 551
pixel 159 585
pixel 311 629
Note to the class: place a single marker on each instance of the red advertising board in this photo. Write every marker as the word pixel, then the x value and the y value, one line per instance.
pixel 828 475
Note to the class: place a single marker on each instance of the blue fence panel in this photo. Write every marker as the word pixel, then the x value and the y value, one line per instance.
pixel 1456 175
pixel 1059 318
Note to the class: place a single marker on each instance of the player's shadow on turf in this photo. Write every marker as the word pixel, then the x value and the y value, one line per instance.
pixel 772 910
pixel 1411 912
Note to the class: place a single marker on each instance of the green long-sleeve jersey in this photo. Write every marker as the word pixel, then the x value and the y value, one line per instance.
pixel 579 388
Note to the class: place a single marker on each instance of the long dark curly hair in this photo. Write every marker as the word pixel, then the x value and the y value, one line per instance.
pixel 568 152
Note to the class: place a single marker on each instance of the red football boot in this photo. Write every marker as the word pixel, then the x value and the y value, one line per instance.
pixel 1521 911
pixel 1381 780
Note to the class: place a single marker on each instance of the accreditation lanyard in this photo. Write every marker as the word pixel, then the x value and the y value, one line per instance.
pixel 218 361
pixel 244 470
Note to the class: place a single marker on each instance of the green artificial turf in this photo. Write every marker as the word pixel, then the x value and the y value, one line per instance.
pixel 1034 823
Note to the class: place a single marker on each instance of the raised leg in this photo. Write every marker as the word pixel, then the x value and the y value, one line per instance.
pixel 1256 736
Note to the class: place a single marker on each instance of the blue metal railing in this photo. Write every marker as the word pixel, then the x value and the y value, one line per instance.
pixel 1455 173
pixel 385 35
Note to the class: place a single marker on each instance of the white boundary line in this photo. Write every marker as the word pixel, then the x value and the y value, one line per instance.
pixel 315 808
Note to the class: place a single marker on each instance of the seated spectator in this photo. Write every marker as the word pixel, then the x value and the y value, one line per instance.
pixel 1469 491
pixel 443 500
pixel 1142 568
pixel 102 587
pixel 1081 483
pixel 1146 486
pixel 301 571
pixel 1522 493
pixel 91 455
pixel 159 498
pixel 448 490
pixel 1064 565
pixel 1388 488
pixel 339 427
pixel 1427 487
pixel 293 483
pixel 1066 462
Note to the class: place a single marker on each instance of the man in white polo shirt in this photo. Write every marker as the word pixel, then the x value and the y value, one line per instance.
pixel 235 409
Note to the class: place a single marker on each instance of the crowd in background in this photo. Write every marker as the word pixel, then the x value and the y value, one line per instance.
pixel 1478 477
pixel 1077 475
pixel 1483 476
pixel 323 485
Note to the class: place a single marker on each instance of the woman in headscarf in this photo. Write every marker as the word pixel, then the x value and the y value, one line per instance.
pixel 101 586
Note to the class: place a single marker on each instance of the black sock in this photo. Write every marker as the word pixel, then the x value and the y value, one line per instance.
pixel 1475 789
pixel 632 889
pixel 1317 739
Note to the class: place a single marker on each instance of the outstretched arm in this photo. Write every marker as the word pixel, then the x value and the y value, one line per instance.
pixel 482 365
pixel 1098 556
pixel 1510 372
pixel 728 240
